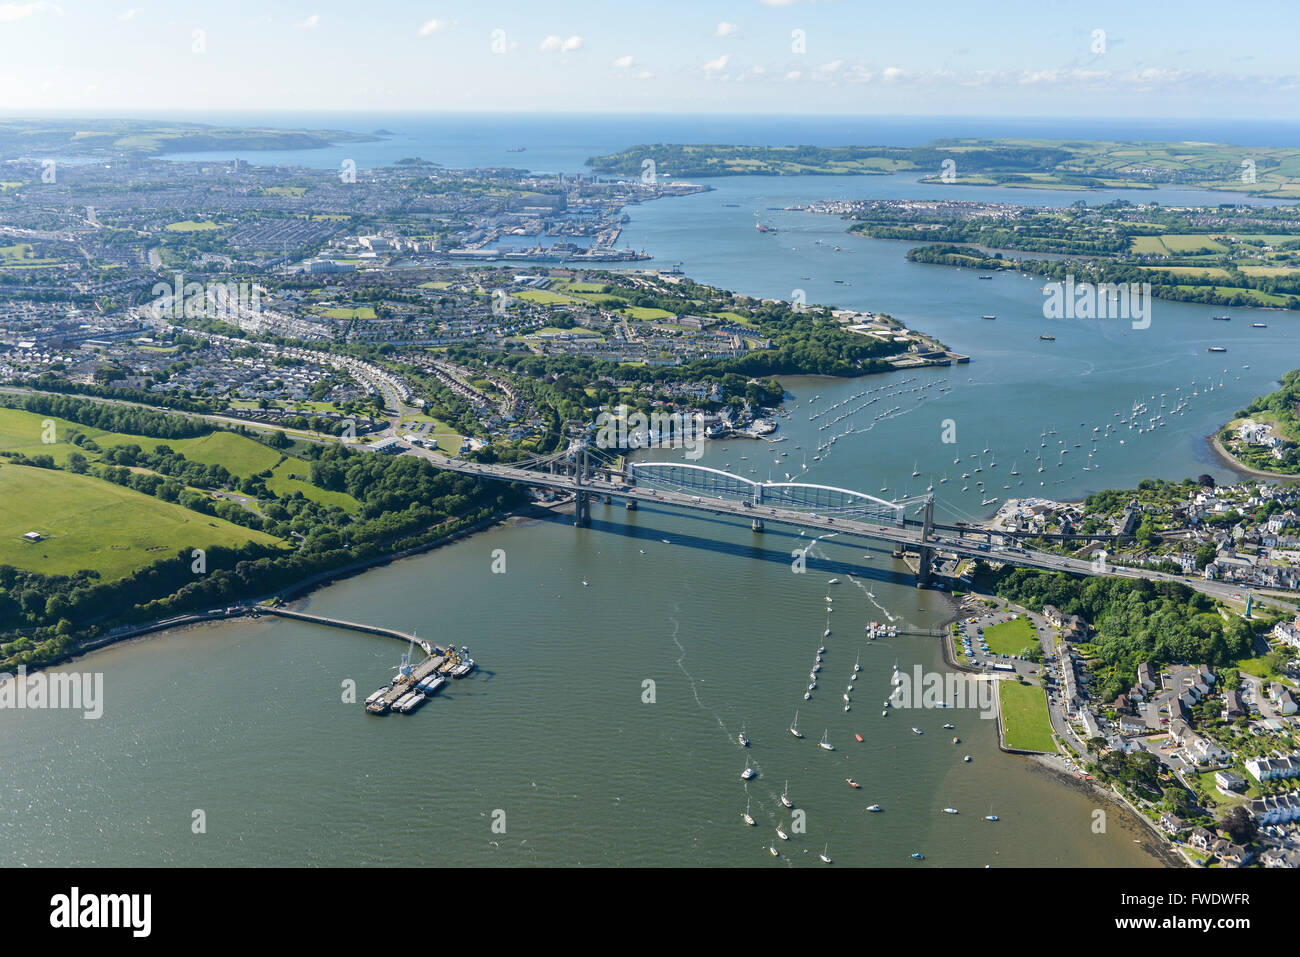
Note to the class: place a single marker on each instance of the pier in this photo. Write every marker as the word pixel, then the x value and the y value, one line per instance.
pixel 445 662
pixel 340 623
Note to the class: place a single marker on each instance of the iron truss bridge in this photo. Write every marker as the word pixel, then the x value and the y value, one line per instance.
pixel 826 500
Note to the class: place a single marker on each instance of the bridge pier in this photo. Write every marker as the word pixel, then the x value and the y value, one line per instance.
pixel 582 510
pixel 631 505
pixel 756 524
pixel 924 565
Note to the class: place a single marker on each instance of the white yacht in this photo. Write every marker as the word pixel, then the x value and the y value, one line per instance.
pixel 825 742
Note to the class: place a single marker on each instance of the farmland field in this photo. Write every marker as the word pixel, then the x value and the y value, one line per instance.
pixel 89 523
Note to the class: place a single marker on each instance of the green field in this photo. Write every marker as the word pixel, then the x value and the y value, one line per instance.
pixel 191 226
pixel 1180 244
pixel 22 256
pixel 89 523
pixel 1189 243
pixel 294 475
pixel 21 431
pixel 1204 272
pixel 1025 723
pixel 543 297
pixel 345 312
pixel 646 313
pixel 1269 271
pixel 241 455
pixel 1011 637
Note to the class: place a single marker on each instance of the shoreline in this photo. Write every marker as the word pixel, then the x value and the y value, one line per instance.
pixel 1236 465
pixel 1160 849
pixel 294 592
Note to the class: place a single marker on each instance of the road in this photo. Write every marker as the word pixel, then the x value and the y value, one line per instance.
pixel 908 537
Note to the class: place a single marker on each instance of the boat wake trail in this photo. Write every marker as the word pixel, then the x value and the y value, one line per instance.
pixel 677 627
pixel 872 598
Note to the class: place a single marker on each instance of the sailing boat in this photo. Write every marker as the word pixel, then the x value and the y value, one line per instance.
pixel 748 773
pixel 825 742
pixel 915 473
pixel 785 795
pixel 857 666
pixel 990 816
pixel 822 855
pixel 748 820
pixel 1015 469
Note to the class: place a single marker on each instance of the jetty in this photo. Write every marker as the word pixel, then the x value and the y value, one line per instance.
pixel 339 623
pixel 439 666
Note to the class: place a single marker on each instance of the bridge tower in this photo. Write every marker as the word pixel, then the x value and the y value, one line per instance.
pixel 757 523
pixel 924 553
pixel 582 503
pixel 629 479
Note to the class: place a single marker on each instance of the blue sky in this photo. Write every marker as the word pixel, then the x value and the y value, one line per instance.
pixel 1045 58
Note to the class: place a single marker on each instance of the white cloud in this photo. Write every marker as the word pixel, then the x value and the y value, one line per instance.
pixel 127 14
pixel 713 66
pixel 892 74
pixel 10 12
pixel 793 75
pixel 310 23
pixel 433 26
pixel 557 44
pixel 726 29
pixel 645 75
pixel 625 62
pixel 779 3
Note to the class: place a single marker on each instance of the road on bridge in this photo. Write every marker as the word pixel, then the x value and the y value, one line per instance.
pixel 907 537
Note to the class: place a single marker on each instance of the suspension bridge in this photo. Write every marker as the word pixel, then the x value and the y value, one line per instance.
pixel 590 474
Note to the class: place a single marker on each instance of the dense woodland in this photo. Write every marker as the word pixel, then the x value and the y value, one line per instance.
pixel 1135 620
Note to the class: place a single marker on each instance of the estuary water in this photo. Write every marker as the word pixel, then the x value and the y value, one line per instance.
pixel 618 663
